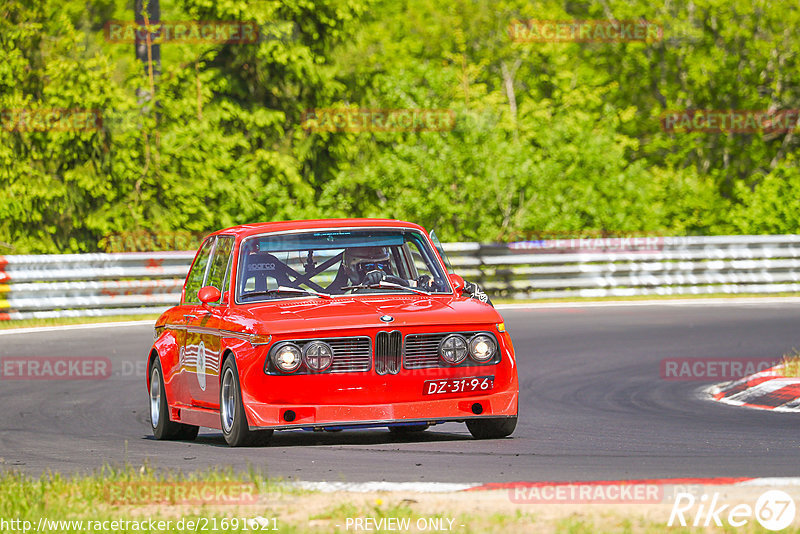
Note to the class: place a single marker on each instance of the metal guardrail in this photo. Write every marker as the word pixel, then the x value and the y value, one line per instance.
pixel 73 285
pixel 616 267
pixel 77 285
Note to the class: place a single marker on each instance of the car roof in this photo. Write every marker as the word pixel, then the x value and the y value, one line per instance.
pixel 244 230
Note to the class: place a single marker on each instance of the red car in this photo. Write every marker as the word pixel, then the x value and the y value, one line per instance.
pixel 328 325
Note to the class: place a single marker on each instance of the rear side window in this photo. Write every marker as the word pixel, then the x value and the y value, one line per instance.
pixel 219 269
pixel 198 273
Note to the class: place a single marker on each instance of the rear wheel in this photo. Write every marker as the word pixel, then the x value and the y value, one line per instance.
pixel 231 411
pixel 162 427
pixel 492 428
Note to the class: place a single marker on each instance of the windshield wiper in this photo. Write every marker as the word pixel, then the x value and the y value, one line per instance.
pixel 284 289
pixel 386 285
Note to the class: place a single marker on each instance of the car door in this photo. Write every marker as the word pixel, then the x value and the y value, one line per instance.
pixel 191 358
pixel 204 330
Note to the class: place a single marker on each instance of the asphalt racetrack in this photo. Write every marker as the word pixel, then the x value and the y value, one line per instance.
pixel 593 406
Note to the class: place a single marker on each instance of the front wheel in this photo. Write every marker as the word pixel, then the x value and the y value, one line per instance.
pixel 162 427
pixel 231 411
pixel 492 428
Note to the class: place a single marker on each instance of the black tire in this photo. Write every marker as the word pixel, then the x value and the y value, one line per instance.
pixel 492 428
pixel 188 433
pixel 233 421
pixel 163 428
pixel 408 429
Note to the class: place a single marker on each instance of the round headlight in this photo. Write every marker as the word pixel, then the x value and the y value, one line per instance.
pixel 482 348
pixel 318 356
pixel 287 358
pixel 453 349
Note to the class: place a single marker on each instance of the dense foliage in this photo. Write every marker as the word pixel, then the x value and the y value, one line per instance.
pixel 549 137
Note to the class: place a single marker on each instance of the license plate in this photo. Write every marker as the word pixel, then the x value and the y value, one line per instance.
pixel 469 384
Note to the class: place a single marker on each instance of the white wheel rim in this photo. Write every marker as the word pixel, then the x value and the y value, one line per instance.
pixel 155 397
pixel 228 404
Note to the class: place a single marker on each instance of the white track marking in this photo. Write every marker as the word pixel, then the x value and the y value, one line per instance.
pixel 661 302
pixel 762 390
pixel 445 487
pixel 37 329
pixel 521 306
pixel 771 481
pixel 791 406
pixel 365 487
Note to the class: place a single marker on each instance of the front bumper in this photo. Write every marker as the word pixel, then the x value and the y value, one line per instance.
pixel 287 416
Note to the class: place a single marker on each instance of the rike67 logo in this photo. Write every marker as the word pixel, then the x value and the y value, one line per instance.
pixel 774 510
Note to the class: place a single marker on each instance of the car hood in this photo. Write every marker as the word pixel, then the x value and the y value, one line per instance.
pixel 289 316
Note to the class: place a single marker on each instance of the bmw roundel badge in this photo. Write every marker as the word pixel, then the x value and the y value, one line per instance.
pixel 387 318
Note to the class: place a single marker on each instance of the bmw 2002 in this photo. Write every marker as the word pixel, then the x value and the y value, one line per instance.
pixel 328 325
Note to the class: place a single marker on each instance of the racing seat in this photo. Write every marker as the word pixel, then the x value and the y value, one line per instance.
pixel 261 266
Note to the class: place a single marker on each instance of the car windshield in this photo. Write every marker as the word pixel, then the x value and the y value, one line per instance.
pixel 330 263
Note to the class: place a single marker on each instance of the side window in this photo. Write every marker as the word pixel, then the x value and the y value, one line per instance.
pixel 425 262
pixel 219 267
pixel 195 279
pixel 440 250
pixel 226 282
pixel 419 260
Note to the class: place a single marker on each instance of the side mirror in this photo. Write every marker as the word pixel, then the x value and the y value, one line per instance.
pixel 226 297
pixel 457 282
pixel 208 294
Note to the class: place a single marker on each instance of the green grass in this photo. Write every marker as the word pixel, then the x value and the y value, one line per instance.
pixel 103 497
pixel 279 504
pixel 791 364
